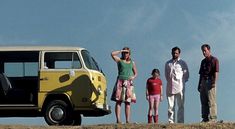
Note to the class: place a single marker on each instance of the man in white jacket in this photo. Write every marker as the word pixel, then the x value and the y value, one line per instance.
pixel 176 73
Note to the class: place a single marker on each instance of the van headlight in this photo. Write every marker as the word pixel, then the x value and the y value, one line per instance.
pixel 99 90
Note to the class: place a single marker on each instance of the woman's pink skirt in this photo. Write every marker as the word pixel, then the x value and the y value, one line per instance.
pixel 123 91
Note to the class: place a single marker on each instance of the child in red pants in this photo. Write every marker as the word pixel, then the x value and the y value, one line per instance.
pixel 154 95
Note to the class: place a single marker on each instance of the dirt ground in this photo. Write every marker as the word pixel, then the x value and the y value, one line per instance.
pixel 130 126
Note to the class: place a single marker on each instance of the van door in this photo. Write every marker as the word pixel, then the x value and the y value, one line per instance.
pixel 99 85
pixel 62 74
pixel 19 77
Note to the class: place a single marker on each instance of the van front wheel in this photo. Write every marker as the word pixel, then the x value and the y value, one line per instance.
pixel 77 120
pixel 57 112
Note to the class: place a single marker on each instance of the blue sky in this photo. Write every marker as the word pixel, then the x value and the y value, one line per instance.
pixel 149 27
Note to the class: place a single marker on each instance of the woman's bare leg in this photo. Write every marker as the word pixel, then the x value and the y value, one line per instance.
pixel 118 111
pixel 127 111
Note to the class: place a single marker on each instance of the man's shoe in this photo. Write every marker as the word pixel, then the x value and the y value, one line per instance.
pixel 212 121
pixel 204 120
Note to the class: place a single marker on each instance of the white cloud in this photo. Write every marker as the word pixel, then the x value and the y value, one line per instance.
pixel 216 28
pixel 143 18
pixel 223 34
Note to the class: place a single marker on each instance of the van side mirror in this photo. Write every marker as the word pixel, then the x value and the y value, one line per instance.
pixel 71 73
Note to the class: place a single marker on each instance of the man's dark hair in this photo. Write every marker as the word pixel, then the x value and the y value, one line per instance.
pixel 175 48
pixel 207 46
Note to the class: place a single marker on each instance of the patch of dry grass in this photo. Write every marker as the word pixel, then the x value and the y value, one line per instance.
pixel 130 126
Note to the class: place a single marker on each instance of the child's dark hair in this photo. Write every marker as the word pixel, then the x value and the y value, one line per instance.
pixel 155 71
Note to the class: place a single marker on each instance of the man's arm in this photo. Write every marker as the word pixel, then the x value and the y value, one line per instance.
pixel 199 84
pixel 166 71
pixel 186 72
pixel 216 72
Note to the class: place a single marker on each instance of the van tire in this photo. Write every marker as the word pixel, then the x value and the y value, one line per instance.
pixel 57 112
pixel 77 120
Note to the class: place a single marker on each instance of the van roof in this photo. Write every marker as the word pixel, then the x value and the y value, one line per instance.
pixel 39 48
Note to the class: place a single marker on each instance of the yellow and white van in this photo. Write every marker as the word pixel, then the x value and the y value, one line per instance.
pixel 58 83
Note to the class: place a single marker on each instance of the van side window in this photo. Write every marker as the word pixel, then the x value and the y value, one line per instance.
pixel 21 69
pixel 62 60
pixel 19 64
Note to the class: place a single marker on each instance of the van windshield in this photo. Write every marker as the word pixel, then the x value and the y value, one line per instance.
pixel 90 61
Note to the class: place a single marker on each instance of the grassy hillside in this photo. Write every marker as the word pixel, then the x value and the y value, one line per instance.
pixel 130 126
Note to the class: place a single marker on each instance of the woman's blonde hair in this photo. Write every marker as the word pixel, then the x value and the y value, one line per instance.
pixel 126 48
